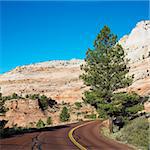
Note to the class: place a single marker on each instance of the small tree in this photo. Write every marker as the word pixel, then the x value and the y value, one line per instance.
pixel 15 96
pixel 64 116
pixel 43 102
pixel 40 124
pixel 49 120
pixel 78 105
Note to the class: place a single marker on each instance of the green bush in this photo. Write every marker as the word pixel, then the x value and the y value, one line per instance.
pixel 40 124
pixel 6 98
pixel 91 116
pixel 78 105
pixel 64 116
pixel 49 120
pixel 33 96
pixel 43 102
pixel 15 96
pixel 3 109
pixel 136 133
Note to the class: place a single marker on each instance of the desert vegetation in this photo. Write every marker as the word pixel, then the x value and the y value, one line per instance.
pixel 65 115
pixel 40 124
pixel 136 133
pixel 50 113
pixel 2 107
pixel 49 121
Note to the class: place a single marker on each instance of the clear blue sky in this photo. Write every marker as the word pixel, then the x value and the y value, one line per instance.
pixel 40 31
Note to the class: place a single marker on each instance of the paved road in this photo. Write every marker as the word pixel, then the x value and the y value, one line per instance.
pixel 57 139
pixel 89 136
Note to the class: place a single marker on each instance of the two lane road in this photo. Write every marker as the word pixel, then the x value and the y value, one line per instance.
pixel 89 136
pixel 56 138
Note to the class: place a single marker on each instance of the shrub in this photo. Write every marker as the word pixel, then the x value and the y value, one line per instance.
pixel 43 102
pixel 51 102
pixel 27 96
pixel 91 116
pixel 64 116
pixel 78 105
pixel 34 96
pixel 40 124
pixel 136 133
pixel 3 109
pixel 15 96
pixel 6 98
pixel 49 120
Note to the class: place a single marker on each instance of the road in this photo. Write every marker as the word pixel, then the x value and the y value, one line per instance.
pixel 89 136
pixel 56 138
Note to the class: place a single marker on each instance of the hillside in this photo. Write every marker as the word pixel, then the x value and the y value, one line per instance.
pixel 56 79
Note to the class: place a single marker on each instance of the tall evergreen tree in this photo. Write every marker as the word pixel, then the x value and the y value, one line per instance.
pixel 105 70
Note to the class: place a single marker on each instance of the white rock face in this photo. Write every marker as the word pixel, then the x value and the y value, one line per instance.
pixel 137 43
pixel 137 49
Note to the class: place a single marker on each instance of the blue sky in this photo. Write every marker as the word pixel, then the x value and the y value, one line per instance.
pixel 40 31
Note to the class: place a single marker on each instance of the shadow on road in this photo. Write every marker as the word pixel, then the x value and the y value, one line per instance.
pixel 11 132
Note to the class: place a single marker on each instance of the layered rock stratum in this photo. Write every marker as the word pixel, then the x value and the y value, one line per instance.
pixel 56 79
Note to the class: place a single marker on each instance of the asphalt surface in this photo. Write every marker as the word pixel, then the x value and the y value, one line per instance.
pixel 56 138
pixel 90 137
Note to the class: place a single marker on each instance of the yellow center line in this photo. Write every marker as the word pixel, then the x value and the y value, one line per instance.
pixel 70 134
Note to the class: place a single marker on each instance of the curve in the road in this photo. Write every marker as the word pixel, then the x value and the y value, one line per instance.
pixel 56 138
pixel 87 136
pixel 70 135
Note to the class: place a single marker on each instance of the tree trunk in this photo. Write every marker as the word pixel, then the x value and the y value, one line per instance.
pixel 110 125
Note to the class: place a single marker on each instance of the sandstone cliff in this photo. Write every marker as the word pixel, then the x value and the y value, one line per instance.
pixel 56 79
pixel 137 49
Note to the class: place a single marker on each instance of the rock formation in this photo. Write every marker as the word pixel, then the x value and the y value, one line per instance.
pixel 56 79
pixel 137 49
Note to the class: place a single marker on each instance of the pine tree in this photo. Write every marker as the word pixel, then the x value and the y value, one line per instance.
pixel 40 124
pixel 105 71
pixel 64 116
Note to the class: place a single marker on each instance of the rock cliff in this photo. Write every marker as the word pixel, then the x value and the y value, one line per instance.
pixel 137 49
